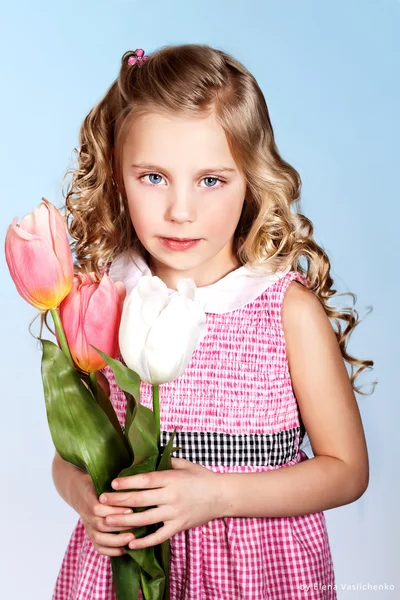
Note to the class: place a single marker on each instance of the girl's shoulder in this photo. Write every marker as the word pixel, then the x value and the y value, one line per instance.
pixel 300 311
pixel 283 282
pixel 279 290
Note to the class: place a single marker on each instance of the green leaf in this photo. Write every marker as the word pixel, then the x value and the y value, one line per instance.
pixel 146 466
pixel 126 379
pixel 142 434
pixel 131 408
pixel 165 460
pixel 140 427
pixel 126 577
pixel 146 559
pixel 165 561
pixel 138 565
pixel 105 403
pixel 81 431
pixel 153 587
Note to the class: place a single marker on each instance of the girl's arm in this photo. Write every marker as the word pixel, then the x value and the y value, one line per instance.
pixel 70 481
pixel 338 473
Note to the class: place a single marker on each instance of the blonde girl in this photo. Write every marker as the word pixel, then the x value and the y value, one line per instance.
pixel 178 175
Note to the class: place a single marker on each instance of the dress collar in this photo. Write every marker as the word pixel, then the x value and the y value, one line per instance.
pixel 237 288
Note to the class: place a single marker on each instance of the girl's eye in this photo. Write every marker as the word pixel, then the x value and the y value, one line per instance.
pixel 212 179
pixel 153 175
pixel 157 176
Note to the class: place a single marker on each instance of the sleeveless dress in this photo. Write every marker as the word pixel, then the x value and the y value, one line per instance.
pixel 234 410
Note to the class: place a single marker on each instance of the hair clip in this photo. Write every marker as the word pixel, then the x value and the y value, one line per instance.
pixel 139 58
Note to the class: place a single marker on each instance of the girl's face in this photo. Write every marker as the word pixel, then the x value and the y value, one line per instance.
pixel 181 182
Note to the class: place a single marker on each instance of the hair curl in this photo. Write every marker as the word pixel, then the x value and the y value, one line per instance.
pixel 193 79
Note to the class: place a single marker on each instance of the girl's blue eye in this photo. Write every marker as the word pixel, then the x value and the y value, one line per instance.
pixel 213 179
pixel 154 175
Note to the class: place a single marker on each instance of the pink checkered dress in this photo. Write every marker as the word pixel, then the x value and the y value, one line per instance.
pixel 235 411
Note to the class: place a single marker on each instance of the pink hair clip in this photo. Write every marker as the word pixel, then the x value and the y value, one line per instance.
pixel 139 58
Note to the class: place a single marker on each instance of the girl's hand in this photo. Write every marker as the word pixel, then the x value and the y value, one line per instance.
pixel 93 515
pixel 185 496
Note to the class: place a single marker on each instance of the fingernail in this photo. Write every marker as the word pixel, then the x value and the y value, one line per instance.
pixel 127 511
pixel 114 484
pixel 103 498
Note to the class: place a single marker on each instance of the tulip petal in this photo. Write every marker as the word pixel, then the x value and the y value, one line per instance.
pixel 37 223
pixel 42 276
pixel 59 238
pixel 91 315
pixel 187 287
pixel 25 235
pixel 154 294
pixel 34 271
pixel 72 317
pixel 101 321
pixel 133 334
pixel 173 338
pixel 87 285
pixel 142 367
pixel 121 290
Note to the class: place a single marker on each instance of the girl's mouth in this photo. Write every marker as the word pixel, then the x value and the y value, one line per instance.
pixel 176 244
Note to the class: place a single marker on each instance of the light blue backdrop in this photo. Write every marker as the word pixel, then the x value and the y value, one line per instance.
pixel 329 71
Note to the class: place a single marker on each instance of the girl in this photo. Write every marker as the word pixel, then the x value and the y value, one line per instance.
pixel 179 176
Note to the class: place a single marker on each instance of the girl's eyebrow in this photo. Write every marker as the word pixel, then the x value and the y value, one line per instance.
pixel 218 169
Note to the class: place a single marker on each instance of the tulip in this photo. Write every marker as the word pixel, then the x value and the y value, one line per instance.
pixel 39 257
pixel 158 332
pixel 90 316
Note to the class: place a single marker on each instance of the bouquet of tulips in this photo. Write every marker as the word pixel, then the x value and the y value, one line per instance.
pixel 94 323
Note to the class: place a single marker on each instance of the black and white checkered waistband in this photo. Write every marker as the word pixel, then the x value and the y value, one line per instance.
pixel 211 448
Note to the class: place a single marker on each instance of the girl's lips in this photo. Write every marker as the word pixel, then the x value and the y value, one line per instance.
pixel 178 244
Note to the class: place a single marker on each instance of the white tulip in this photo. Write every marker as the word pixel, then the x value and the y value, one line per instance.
pixel 158 333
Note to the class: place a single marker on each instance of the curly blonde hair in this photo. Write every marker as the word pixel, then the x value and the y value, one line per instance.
pixel 193 79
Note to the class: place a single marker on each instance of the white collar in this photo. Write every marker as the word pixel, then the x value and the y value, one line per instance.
pixel 237 288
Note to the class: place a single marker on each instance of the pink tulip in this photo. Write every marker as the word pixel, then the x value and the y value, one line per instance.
pixel 91 314
pixel 39 257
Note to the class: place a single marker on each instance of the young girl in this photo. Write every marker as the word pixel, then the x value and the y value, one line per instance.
pixel 181 148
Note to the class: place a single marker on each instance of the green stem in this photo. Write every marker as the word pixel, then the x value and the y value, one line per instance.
pixel 93 385
pixel 156 411
pixel 60 334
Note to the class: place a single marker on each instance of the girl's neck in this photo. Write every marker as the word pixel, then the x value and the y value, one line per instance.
pixel 206 274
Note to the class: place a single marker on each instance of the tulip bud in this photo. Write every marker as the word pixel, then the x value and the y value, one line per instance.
pixel 39 257
pixel 158 333
pixel 91 315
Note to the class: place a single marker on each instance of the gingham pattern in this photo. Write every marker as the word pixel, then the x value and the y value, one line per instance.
pixel 236 384
pixel 211 448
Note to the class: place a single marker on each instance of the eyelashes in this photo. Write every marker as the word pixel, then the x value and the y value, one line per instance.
pixel 222 181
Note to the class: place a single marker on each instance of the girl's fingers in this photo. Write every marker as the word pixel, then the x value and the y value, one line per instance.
pixel 109 540
pixel 146 517
pixel 102 510
pixel 111 528
pixel 111 551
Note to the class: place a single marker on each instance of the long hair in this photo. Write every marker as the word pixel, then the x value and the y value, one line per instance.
pixel 192 80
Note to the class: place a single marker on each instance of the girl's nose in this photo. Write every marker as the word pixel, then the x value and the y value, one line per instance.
pixel 181 208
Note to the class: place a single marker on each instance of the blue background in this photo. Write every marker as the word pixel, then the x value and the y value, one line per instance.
pixel 330 75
